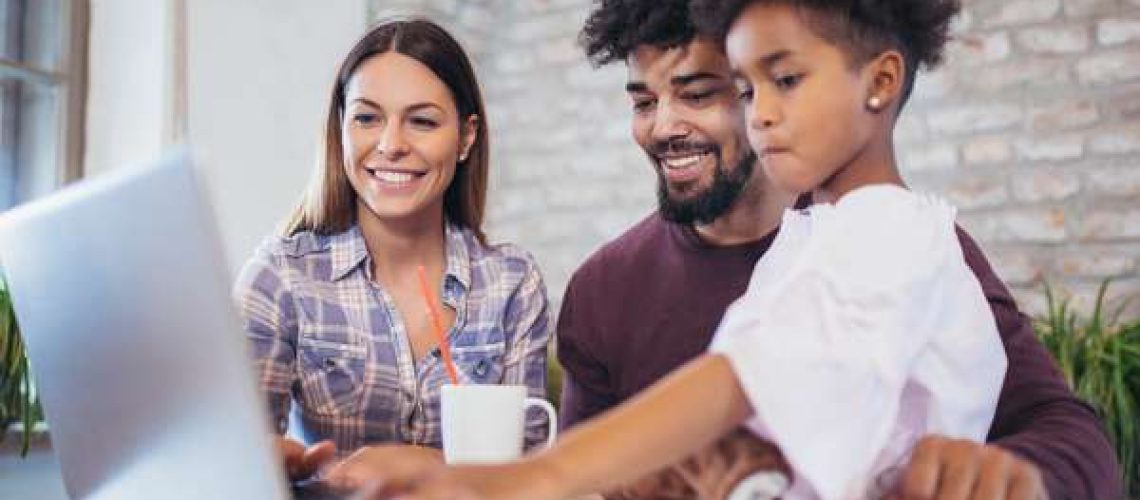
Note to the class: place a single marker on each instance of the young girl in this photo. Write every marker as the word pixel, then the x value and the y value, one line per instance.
pixel 333 307
pixel 862 329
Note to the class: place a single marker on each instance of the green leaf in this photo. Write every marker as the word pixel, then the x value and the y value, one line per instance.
pixel 1099 356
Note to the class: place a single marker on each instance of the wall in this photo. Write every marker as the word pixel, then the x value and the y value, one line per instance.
pixel 128 83
pixel 258 76
pixel 244 83
pixel 1032 128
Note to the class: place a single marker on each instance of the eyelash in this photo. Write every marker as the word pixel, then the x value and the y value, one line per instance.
pixel 424 122
pixel 370 119
pixel 642 106
pixel 365 119
pixel 699 96
pixel 787 82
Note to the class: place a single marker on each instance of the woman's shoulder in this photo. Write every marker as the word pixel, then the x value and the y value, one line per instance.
pixel 503 263
pixel 498 253
pixel 301 253
pixel 280 249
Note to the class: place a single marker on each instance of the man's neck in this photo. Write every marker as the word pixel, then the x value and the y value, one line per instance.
pixel 755 214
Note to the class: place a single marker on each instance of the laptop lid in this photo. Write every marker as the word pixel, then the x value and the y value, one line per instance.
pixel 122 294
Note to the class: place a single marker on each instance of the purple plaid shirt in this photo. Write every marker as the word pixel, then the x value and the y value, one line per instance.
pixel 327 337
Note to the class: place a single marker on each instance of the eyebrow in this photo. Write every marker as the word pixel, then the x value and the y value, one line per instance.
pixel 771 59
pixel 676 81
pixel 414 107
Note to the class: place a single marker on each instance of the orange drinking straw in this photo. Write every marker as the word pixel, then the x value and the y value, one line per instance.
pixel 437 323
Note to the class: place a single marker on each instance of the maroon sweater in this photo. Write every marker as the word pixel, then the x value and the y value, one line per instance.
pixel 651 300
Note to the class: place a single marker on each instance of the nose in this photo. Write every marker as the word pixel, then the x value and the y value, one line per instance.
pixel 391 143
pixel 668 124
pixel 764 112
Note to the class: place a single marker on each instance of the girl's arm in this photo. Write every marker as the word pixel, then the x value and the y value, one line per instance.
pixel 681 414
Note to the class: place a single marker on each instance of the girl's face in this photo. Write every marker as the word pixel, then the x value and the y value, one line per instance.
pixel 402 137
pixel 805 107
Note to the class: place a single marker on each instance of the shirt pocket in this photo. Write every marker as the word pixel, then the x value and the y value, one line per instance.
pixel 480 364
pixel 332 375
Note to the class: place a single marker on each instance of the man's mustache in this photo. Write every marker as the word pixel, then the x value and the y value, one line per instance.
pixel 681 146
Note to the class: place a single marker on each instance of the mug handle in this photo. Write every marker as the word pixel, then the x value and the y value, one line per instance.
pixel 552 417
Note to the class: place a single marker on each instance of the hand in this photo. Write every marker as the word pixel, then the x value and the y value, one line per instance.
pixel 950 469
pixel 299 462
pixel 519 481
pixel 713 472
pixel 398 465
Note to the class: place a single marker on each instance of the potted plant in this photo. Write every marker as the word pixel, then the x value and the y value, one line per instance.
pixel 18 401
pixel 1099 355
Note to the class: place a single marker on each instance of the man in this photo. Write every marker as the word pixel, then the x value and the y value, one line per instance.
pixel 651 299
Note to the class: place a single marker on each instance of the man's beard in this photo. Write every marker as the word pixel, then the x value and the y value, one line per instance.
pixel 711 203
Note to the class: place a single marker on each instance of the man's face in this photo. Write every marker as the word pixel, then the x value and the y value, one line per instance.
pixel 687 120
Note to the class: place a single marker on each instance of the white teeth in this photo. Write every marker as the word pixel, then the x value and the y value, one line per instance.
pixel 393 177
pixel 683 161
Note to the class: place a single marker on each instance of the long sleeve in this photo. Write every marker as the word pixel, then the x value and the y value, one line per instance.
pixel 529 328
pixel 268 314
pixel 1038 416
pixel 586 388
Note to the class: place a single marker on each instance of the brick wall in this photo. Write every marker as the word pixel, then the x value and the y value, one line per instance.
pixel 1032 128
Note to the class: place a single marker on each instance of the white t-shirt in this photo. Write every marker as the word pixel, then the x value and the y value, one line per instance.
pixel 861 331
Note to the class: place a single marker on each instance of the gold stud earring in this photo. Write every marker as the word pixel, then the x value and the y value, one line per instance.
pixel 874 103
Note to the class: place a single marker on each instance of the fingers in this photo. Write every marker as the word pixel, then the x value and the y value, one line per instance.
pixel 993 478
pixel 960 461
pixel 920 482
pixel 290 452
pixel 947 469
pixel 315 457
pixel 1025 483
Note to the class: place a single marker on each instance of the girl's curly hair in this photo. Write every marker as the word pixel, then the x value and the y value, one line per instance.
pixel 918 29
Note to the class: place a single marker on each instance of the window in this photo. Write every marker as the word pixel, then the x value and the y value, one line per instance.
pixel 43 49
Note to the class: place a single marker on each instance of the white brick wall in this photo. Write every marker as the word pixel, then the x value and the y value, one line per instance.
pixel 1032 128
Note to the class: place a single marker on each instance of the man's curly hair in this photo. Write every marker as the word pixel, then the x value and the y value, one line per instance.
pixel 616 28
pixel 863 29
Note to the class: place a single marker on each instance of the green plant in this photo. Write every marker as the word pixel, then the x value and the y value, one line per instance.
pixel 18 401
pixel 1099 355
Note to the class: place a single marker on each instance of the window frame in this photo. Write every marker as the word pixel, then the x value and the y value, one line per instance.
pixel 68 79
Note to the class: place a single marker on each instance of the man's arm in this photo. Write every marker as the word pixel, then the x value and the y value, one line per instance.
pixel 1038 417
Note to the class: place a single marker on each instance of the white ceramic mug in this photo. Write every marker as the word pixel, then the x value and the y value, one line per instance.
pixel 485 424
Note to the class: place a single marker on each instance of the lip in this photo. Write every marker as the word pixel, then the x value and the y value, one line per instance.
pixel 677 170
pixel 773 151
pixel 394 181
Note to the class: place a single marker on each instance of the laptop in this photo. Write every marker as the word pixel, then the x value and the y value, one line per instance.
pixel 123 297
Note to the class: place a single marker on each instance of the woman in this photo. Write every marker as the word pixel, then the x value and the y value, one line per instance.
pixel 333 308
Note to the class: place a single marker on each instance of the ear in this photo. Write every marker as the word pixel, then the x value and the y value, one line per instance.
pixel 885 75
pixel 467 136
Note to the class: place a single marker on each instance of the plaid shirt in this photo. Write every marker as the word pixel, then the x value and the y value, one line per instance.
pixel 327 337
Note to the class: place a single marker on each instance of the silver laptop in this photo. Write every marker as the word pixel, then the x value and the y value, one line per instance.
pixel 122 293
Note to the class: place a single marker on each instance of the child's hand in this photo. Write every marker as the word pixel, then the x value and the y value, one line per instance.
pixel 949 468
pixel 396 464
pixel 517 481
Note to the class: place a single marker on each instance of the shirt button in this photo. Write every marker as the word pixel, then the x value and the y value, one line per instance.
pixel 481 368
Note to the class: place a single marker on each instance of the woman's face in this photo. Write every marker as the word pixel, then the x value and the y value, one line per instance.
pixel 402 137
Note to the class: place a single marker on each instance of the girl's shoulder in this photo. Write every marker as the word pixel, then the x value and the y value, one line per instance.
pixel 885 236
